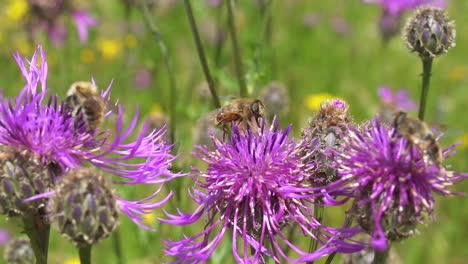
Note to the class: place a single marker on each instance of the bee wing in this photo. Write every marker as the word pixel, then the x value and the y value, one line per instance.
pixel 210 116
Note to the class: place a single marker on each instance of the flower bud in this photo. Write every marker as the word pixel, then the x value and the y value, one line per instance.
pixel 19 251
pixel 326 127
pixel 397 223
pixel 23 175
pixel 84 207
pixel 48 9
pixel 275 97
pixel 429 32
pixel 389 25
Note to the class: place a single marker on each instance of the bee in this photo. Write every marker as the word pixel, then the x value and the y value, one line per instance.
pixel 244 112
pixel 83 99
pixel 419 134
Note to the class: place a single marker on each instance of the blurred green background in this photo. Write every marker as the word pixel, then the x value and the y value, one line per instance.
pixel 317 49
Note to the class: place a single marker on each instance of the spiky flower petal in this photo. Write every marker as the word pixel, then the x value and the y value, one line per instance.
pixel 326 127
pixel 36 122
pixel 255 187
pixel 391 183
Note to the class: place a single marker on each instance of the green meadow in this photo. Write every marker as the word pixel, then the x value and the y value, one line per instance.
pixel 317 49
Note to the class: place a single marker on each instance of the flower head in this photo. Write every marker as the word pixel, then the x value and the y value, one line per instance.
pixel 325 128
pixel 391 18
pixel 396 7
pixel 429 32
pixel 19 250
pixel 83 21
pixel 39 124
pixel 388 175
pixel 391 102
pixel 47 13
pixel 276 98
pixel 255 187
pixel 84 207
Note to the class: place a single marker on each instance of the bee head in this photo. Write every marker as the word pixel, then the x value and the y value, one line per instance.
pixel 86 89
pixel 398 118
pixel 258 109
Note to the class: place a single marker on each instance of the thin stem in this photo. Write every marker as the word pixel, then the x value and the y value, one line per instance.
pixel 330 258
pixel 38 233
pixel 201 53
pixel 220 39
pixel 167 62
pixel 426 78
pixel 318 214
pixel 264 36
pixel 118 247
pixel 236 50
pixel 85 254
pixel 380 257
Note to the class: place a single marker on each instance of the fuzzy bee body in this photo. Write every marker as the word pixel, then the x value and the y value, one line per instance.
pixel 419 134
pixel 83 99
pixel 244 112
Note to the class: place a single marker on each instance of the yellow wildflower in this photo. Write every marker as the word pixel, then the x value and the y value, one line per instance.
pixel 16 9
pixel 130 41
pixel 24 46
pixel 156 109
pixel 87 56
pixel 109 48
pixel 464 141
pixel 458 73
pixel 72 261
pixel 313 101
pixel 149 219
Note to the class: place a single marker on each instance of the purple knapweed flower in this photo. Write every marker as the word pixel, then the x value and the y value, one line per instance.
pixel 397 7
pixel 47 14
pixel 390 102
pixel 83 21
pixel 36 122
pixel 391 18
pixel 143 78
pixel 399 99
pixel 5 236
pixel 390 180
pixel 249 190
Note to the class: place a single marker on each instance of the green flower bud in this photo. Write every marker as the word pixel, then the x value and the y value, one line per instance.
pixel 84 207
pixel 23 175
pixel 429 32
pixel 19 251
pixel 326 127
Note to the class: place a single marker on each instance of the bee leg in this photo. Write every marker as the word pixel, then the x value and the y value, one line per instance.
pixel 225 132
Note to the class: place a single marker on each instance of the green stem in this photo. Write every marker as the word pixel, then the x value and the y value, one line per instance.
pixel 201 53
pixel 318 214
pixel 380 257
pixel 85 254
pixel 118 247
pixel 38 234
pixel 426 78
pixel 167 62
pixel 220 39
pixel 236 50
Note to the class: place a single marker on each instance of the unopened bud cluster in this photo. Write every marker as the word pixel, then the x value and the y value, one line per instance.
pixel 326 127
pixel 48 9
pixel 19 251
pixel 84 207
pixel 397 223
pixel 275 97
pixel 429 32
pixel 22 175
